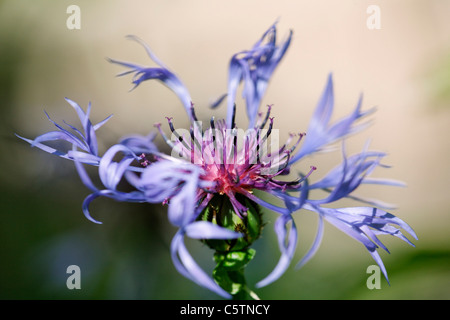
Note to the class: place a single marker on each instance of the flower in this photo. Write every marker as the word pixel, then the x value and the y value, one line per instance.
pixel 254 67
pixel 86 141
pixel 212 178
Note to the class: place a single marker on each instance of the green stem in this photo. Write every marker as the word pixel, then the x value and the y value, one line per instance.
pixel 229 273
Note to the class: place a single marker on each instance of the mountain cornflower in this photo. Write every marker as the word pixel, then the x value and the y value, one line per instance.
pixel 217 178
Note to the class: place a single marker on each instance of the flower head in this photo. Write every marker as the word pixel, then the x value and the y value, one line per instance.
pixel 209 180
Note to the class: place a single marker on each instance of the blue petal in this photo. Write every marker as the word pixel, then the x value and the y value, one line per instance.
pixel 182 206
pixel 348 169
pixel 58 135
pixel 320 133
pixel 162 74
pixel 360 236
pixel 84 157
pixel 86 141
pixel 208 230
pixel 254 67
pixel 83 174
pixel 101 123
pixel 171 179
pixel 356 221
pixel 374 217
pixel 266 204
pixel 345 178
pixel 89 131
pixel 235 75
pixel 287 249
pixel 140 144
pixel 324 109
pixel 159 181
pixel 156 190
pixel 68 136
pixel 218 101
pixel 315 246
pixel 87 201
pixel 187 266
pixel 111 172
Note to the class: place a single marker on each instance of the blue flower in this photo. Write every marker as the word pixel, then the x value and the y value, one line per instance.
pixel 254 68
pixel 161 73
pixel 86 141
pixel 209 174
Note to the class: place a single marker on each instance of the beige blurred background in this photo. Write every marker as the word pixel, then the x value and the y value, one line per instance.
pixel 403 69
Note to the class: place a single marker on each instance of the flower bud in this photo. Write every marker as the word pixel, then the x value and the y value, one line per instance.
pixel 220 211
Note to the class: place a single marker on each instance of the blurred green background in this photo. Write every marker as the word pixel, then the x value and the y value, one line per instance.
pixel 402 68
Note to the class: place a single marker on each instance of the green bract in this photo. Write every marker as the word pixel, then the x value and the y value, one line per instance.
pixel 221 212
pixel 232 256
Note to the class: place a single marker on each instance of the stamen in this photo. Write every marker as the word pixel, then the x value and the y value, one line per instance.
pixel 235 145
pixel 213 125
pixel 180 138
pixel 301 135
pixel 169 142
pixel 193 112
pixel 246 151
pixel 224 153
pixel 285 163
pixel 213 130
pixel 288 141
pixel 194 141
pixel 269 131
pixel 233 123
pixel 194 136
pixel 269 107
pixel 145 162
pixel 258 120
pixel 313 168
pixel 257 146
pixel 169 120
pixel 260 142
